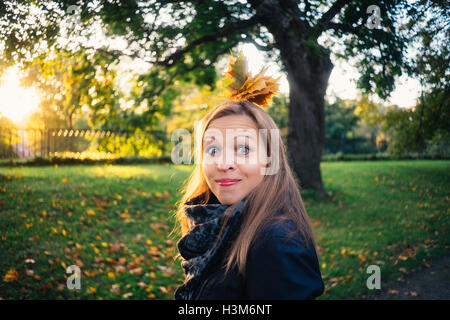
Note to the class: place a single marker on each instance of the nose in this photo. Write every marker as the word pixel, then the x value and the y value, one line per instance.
pixel 226 162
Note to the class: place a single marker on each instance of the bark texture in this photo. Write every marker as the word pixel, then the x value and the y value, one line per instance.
pixel 308 66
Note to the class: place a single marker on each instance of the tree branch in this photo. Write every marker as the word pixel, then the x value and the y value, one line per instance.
pixel 344 28
pixel 196 66
pixel 329 15
pixel 307 6
pixel 374 33
pixel 174 57
pixel 239 25
pixel 268 47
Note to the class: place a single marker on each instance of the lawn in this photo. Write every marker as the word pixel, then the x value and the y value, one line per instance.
pixel 114 223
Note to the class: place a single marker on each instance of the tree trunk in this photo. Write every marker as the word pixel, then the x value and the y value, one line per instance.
pixel 308 78
pixel 308 67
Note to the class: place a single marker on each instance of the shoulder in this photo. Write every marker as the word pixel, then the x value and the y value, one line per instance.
pixel 279 238
pixel 278 229
pixel 288 266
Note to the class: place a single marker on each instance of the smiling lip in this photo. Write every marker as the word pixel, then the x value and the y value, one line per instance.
pixel 227 182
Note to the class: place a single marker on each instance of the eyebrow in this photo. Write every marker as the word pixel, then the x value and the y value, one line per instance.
pixel 210 139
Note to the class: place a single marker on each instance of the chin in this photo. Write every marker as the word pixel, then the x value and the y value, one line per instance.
pixel 228 200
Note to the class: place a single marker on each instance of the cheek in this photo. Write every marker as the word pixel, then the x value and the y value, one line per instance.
pixel 208 171
pixel 252 173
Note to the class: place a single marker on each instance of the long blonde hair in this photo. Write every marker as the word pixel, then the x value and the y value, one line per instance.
pixel 279 191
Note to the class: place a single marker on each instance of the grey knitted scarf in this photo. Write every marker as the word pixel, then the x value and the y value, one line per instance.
pixel 196 247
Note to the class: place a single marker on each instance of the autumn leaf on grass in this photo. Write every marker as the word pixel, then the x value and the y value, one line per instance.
pixel 115 288
pixel 394 292
pixel 89 274
pixel 113 248
pixel 169 242
pixel 425 264
pixel 45 287
pixel 11 275
pixel 101 204
pixel 136 271
pixel 120 268
pixel 158 225
pixel 316 223
pixel 167 271
pixel 154 251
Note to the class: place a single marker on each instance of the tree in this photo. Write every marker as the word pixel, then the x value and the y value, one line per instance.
pixel 8 137
pixel 340 122
pixel 67 81
pixel 279 111
pixel 414 129
pixel 183 40
pixel 371 114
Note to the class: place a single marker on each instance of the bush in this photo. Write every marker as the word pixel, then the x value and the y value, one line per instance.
pixel 439 145
pixel 40 161
pixel 384 156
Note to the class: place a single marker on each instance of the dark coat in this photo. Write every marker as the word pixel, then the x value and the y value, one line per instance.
pixel 276 268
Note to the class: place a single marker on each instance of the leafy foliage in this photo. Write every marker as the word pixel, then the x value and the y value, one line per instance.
pixel 183 40
pixel 414 129
pixel 341 122
pixel 67 81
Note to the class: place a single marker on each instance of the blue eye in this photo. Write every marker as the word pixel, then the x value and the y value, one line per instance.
pixel 244 149
pixel 211 150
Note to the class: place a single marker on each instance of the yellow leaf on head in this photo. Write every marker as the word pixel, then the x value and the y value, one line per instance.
pixel 242 86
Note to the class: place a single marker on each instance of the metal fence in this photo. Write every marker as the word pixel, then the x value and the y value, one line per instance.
pixel 29 143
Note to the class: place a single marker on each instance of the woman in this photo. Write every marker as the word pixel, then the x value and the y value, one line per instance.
pixel 245 231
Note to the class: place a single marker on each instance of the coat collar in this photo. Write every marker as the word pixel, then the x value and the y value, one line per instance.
pixel 201 199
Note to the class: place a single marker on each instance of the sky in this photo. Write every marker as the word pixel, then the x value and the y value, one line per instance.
pixel 17 102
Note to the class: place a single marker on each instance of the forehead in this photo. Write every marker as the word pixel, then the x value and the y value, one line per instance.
pixel 243 122
pixel 233 121
pixel 230 127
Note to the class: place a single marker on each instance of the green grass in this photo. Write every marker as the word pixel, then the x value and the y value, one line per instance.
pixel 114 222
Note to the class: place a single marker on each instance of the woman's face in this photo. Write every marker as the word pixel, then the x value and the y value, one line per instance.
pixel 232 157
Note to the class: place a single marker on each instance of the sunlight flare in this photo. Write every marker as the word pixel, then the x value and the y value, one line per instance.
pixel 16 102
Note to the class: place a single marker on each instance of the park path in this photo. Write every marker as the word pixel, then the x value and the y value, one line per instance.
pixel 426 284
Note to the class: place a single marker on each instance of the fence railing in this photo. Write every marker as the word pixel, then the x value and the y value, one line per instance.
pixel 29 143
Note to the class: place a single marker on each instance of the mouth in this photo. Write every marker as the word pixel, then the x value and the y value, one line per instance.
pixel 227 182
